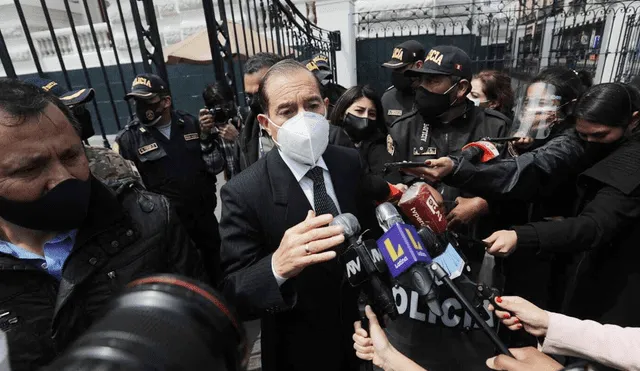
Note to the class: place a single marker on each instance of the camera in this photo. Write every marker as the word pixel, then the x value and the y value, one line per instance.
pixel 161 323
pixel 221 115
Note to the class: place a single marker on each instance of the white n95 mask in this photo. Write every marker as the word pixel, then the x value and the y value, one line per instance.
pixel 304 137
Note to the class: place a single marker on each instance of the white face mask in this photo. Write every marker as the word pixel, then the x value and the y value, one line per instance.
pixel 304 137
pixel 477 102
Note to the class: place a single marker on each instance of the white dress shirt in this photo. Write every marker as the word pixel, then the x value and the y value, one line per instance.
pixel 299 172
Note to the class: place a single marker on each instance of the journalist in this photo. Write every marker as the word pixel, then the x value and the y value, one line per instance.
pixel 67 242
pixel 358 115
pixel 374 346
pixel 611 345
pixel 221 120
pixel 492 89
pixel 276 246
pixel 601 238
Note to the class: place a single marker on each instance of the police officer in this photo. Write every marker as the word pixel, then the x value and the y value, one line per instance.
pixel 444 120
pixel 398 99
pixel 330 91
pixel 442 123
pixel 321 68
pixel 175 160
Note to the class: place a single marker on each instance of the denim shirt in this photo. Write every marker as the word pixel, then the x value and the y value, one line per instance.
pixel 56 252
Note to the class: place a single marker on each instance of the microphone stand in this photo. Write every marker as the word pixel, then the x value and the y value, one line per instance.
pixel 468 307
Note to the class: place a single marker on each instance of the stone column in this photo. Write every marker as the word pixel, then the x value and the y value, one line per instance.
pixel 338 15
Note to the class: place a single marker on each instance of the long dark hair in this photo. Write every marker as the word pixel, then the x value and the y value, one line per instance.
pixel 610 104
pixel 352 95
pixel 497 88
pixel 569 84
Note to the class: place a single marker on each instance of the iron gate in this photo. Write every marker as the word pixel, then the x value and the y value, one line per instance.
pixel 85 43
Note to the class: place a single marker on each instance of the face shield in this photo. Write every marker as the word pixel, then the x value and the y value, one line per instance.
pixel 538 109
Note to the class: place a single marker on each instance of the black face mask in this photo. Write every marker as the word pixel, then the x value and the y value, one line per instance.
pixel 401 82
pixel 431 105
pixel 148 114
pixel 84 118
pixel 62 208
pixel 599 151
pixel 358 128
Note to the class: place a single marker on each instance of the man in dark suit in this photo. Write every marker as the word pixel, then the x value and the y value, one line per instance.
pixel 276 246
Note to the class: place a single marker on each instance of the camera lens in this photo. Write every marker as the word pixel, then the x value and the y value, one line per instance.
pixel 163 322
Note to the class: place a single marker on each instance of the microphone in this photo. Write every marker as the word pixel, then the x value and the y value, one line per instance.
pixel 483 151
pixel 361 268
pixel 405 256
pixel 421 207
pixel 374 187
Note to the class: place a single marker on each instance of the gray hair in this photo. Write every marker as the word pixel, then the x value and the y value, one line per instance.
pixel 284 67
pixel 260 61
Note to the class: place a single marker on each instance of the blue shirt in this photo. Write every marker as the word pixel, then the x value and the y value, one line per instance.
pixel 56 252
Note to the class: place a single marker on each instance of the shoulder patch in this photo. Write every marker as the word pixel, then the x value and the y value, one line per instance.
pixel 394 112
pixel 390 147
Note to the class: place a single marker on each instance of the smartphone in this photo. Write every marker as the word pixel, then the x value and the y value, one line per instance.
pixel 403 165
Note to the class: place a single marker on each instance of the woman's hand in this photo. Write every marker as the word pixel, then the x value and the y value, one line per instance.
pixel 526 359
pixel 502 243
pixel 516 312
pixel 375 348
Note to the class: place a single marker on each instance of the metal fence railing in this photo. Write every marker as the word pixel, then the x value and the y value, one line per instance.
pixel 602 37
pixel 103 45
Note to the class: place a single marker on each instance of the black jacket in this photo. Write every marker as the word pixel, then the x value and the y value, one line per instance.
pixel 395 104
pixel 535 173
pixel 604 280
pixel 123 238
pixel 176 167
pixel 313 312
pixel 373 153
pixel 414 139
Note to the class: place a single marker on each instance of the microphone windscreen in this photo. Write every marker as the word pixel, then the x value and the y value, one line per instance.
pixel 482 150
pixel 349 223
pixel 420 204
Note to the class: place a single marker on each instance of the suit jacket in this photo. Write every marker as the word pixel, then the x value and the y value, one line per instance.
pixel 307 322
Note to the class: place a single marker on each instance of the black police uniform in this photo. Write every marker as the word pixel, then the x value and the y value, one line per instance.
pixel 454 343
pixel 174 167
pixel 395 104
pixel 414 139
pixel 398 102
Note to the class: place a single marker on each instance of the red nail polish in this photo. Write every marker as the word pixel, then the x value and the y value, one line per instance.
pixel 498 299
pixel 516 319
pixel 506 316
